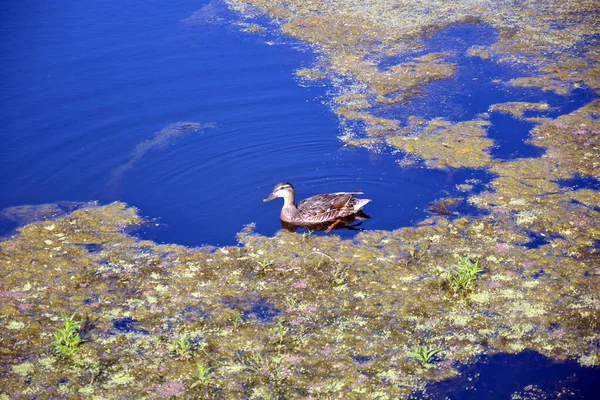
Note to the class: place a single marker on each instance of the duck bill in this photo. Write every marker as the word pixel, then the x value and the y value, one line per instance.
pixel 269 197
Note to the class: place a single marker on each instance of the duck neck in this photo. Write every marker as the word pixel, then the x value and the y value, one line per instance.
pixel 289 207
pixel 288 200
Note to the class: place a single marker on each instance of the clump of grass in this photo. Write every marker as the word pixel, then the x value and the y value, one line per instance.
pixel 267 368
pixel 465 274
pixel 185 347
pixel 202 375
pixel 67 339
pixel 424 354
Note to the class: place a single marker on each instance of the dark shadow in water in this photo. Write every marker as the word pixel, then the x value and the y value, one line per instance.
pixel 93 248
pixel 527 375
pixel 161 139
pixel 351 223
pixel 581 182
pixel 127 325
pixel 253 306
pixel 12 218
pixel 537 240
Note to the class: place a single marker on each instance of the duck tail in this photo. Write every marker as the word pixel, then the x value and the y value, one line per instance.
pixel 360 203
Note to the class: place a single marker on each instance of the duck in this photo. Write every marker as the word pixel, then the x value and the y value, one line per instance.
pixel 323 208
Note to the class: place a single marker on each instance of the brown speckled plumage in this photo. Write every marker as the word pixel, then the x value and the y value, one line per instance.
pixel 316 209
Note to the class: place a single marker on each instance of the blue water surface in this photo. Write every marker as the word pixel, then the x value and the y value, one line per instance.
pixel 86 87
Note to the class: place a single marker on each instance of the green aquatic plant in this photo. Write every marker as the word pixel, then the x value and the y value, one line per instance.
pixel 416 250
pixel 264 263
pixel 281 330
pixel 67 339
pixel 237 320
pixel 465 274
pixel 267 368
pixel 202 375
pixel 320 260
pixel 183 347
pixel 307 235
pixel 424 354
pixel 338 276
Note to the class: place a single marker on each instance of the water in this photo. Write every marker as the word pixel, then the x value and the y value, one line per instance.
pixel 85 85
pixel 527 375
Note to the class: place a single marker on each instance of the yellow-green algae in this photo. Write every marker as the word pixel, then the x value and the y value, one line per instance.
pixel 518 108
pixel 444 144
pixel 373 297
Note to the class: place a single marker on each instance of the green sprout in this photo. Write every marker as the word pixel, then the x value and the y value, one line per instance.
pixel 265 263
pixel 281 330
pixel 465 275
pixel 307 235
pixel 416 250
pixel 202 375
pixel 183 347
pixel 339 276
pixel 424 354
pixel 237 320
pixel 67 339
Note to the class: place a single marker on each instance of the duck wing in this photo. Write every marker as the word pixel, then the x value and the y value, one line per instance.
pixel 327 207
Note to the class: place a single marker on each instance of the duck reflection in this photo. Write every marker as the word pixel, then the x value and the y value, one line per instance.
pixel 351 223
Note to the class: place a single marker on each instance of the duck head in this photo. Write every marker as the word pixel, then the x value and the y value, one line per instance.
pixel 283 189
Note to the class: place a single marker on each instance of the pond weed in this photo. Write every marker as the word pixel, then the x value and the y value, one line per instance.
pixel 67 339
pixel 202 375
pixel 424 354
pixel 465 274
pixel 182 347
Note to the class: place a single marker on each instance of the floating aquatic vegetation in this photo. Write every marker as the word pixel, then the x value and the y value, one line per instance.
pixel 310 74
pixel 518 108
pixel 444 206
pixel 325 317
pixel 164 138
pixel 443 144
pixel 26 214
pixel 557 41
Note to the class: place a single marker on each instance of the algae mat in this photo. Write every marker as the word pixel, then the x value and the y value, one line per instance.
pixel 285 317
pixel 288 316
